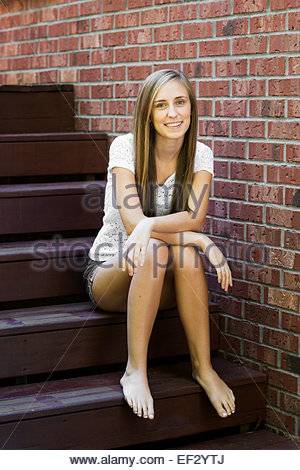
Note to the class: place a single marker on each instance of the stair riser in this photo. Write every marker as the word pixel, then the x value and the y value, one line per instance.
pixel 174 417
pixel 89 346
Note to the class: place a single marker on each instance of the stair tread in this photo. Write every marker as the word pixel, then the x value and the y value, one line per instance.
pixel 48 189
pixel 103 390
pixel 52 136
pixel 63 316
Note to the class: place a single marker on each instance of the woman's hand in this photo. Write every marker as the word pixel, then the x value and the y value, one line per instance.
pixel 136 246
pixel 218 260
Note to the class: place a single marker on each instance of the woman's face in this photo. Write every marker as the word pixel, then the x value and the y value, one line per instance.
pixel 171 111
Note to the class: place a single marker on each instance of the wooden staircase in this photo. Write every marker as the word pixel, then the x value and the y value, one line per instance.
pixel 61 360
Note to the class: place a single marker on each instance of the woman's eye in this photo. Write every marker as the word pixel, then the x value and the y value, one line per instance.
pixel 180 102
pixel 160 105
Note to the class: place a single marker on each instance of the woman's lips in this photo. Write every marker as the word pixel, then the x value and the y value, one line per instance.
pixel 172 125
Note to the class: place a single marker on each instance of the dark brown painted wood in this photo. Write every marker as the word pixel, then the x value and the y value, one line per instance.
pixel 53 156
pixel 82 409
pixel 36 110
pixel 81 338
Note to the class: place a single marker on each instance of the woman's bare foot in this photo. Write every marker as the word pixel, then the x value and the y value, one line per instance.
pixel 137 393
pixel 220 395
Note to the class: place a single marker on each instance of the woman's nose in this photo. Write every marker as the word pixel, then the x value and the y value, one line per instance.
pixel 172 110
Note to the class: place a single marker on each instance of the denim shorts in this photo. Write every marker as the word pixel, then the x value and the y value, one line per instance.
pixel 88 277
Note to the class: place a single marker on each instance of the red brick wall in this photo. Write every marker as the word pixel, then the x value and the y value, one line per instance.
pixel 242 57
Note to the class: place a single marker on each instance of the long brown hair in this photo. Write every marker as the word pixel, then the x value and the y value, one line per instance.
pixel 144 139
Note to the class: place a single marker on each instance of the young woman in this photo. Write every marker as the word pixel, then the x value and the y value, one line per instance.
pixel 145 257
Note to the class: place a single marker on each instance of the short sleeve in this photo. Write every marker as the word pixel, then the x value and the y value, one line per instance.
pixel 204 159
pixel 121 153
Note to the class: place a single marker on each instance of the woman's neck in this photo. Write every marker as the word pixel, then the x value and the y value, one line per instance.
pixel 167 150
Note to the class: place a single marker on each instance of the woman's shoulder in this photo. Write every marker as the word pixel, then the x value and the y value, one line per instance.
pixel 203 148
pixel 124 140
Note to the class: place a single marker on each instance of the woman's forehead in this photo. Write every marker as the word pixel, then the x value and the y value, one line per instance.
pixel 171 90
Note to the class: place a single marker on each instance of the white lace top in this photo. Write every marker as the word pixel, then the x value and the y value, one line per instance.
pixel 112 235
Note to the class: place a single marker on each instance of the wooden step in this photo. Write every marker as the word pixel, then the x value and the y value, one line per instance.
pixel 66 153
pixel 36 108
pixel 50 207
pixel 74 336
pixel 43 268
pixel 79 413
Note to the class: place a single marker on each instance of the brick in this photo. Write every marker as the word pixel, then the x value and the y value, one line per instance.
pixel 214 48
pixel 127 20
pixel 221 169
pixel 137 3
pixel 248 129
pixel 294 65
pixel 9 22
pixel 214 88
pixel 46 47
pixel 80 58
pixel 242 211
pixel 265 275
pixel 252 253
pixel 212 127
pixel 249 6
pixel 138 72
pixel 28 48
pixel 90 8
pixel 79 27
pixel 101 57
pixel 167 33
pixel 229 190
pixel 284 130
pixel 182 12
pixel 272 396
pixel 265 151
pixel 154 52
pixel 260 353
pixel 267 23
pixel 217 208
pixel 68 11
pixel 292 282
pixel 90 75
pixel 269 236
pixel 289 321
pixel 229 149
pixel 129 54
pixel 294 108
pixel 265 194
pixel 267 108
pixel 294 20
pixel 279 419
pixel 292 197
pixel 58 60
pixel 182 50
pixel 10 50
pixel 214 9
pixel 231 306
pixel 113 5
pixel 249 45
pixel 248 87
pixel 17 64
pixel 37 32
pixel 156 15
pixel 125 90
pixel 284 86
pixel 12 79
pixel 81 124
pixel 17 35
pixel 101 124
pixel 290 403
pixel 82 91
pixel 102 91
pixel 102 22
pixel 197 69
pixel 48 76
pixel 197 30
pixel 49 14
pixel 90 107
pixel 113 39
pixel 246 171
pixel 204 107
pixel 293 153
pixel 280 339
pixel 283 174
pixel 140 36
pixel 229 68
pixel 284 217
pixel 230 229
pixel 285 43
pixel 114 73
pixel 30 78
pixel 87 42
pixel 230 343
pixel 57 29
pixel 231 108
pixel 231 27
pixel 283 4
pixel 282 380
pixel 114 107
pixel 262 314
pixel 290 362
pixel 123 125
pixel 282 258
pixel 68 76
pixel 284 299
pixel 243 328
pixel 38 62
pixel 267 66
pixel 28 18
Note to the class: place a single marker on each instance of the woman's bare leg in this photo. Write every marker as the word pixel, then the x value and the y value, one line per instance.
pixel 192 301
pixel 148 291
